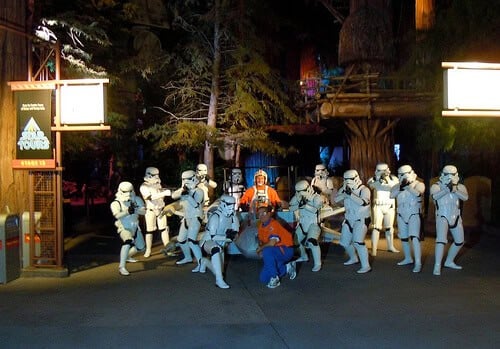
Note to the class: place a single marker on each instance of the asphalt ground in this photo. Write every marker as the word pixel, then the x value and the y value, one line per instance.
pixel 163 305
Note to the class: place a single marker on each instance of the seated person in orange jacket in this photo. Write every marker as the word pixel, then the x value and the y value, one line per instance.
pixel 259 193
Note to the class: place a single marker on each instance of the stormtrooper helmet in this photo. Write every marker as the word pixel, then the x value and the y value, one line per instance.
pixel 406 172
pixel 449 174
pixel 227 204
pixel 201 171
pixel 320 171
pixel 382 170
pixel 260 173
pixel 236 176
pixel 125 192
pixel 189 179
pixel 152 175
pixel 303 189
pixel 351 179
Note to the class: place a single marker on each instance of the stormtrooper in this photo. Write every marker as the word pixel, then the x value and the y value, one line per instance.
pixel 222 227
pixel 322 184
pixel 356 199
pixel 383 207
pixel 153 195
pixel 447 194
pixel 234 186
pixel 408 195
pixel 191 200
pixel 260 193
pixel 204 182
pixel 306 204
pixel 126 209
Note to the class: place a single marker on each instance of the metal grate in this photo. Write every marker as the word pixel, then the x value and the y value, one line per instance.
pixel 44 200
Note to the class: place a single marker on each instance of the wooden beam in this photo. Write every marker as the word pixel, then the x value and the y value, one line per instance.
pixel 379 109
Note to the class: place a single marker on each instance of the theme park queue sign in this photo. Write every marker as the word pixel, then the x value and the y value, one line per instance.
pixel 34 146
pixel 81 107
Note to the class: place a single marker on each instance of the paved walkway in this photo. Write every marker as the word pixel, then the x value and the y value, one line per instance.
pixel 162 305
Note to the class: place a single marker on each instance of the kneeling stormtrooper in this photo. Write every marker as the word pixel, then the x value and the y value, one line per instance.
pixel 126 209
pixel 307 204
pixel 222 227
pixel 356 198
pixel 447 194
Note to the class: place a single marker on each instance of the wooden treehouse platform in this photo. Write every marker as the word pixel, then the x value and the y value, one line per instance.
pixel 367 96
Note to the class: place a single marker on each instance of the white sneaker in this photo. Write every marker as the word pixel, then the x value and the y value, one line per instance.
pixel 417 268
pixel 393 250
pixel 302 259
pixel 437 269
pixel 147 254
pixel 291 270
pixel 123 271
pixel 274 282
pixel 131 260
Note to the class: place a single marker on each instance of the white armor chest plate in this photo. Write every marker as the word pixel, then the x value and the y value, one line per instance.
pixel 147 190
pixel 448 206
pixel 382 191
pixel 309 215
pixel 353 210
pixel 408 204
pixel 191 211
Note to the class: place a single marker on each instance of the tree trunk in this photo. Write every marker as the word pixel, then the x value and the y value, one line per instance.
pixel 208 154
pixel 13 66
pixel 370 142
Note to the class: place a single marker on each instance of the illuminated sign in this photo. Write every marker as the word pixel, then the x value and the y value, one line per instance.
pixel 471 89
pixel 83 104
pixel 33 139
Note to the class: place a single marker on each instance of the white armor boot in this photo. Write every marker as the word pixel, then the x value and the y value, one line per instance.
pixel 316 256
pixel 353 258
pixel 417 251
pixel 439 257
pixel 450 259
pixel 123 259
pixel 363 257
pixel 187 254
pixel 407 253
pixel 215 266
pixel 149 244
pixel 389 238
pixel 197 254
pixel 303 254
pixel 132 252
pixel 165 236
pixel 375 239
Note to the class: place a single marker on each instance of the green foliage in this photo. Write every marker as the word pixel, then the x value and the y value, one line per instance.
pixel 464 30
pixel 250 96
